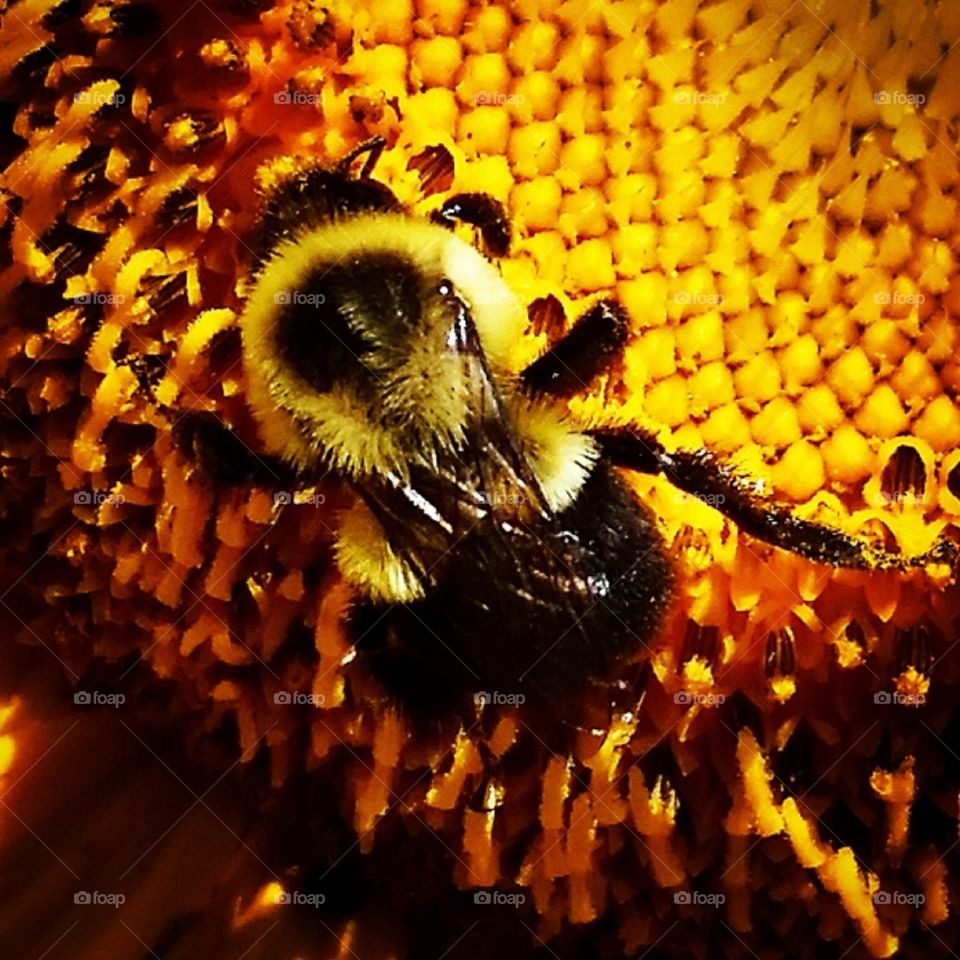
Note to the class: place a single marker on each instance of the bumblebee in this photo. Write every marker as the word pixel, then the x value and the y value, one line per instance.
pixel 494 544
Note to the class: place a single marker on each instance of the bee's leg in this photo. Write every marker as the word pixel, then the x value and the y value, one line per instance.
pixel 483 212
pixel 413 665
pixel 588 349
pixel 708 479
pixel 224 457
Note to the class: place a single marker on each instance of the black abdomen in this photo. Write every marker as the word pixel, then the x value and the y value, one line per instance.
pixel 531 610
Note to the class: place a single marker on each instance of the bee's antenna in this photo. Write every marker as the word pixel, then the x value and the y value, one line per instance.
pixel 374 147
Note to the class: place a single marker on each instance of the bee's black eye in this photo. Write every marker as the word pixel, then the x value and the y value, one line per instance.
pixel 329 328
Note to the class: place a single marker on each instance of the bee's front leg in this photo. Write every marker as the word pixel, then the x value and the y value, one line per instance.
pixel 481 211
pixel 591 346
pixel 224 457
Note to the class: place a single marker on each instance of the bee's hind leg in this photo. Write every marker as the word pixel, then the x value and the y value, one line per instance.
pixel 702 475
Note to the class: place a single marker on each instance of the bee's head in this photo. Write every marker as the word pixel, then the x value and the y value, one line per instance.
pixel 364 342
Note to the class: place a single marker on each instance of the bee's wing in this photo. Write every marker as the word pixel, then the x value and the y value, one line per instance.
pixel 488 480
pixel 502 477
pixel 429 513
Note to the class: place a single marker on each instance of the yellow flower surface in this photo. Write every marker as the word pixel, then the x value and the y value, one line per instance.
pixel 769 187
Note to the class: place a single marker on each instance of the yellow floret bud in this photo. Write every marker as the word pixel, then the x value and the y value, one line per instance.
pixel 758 380
pixel 537 203
pixel 851 377
pixel 818 410
pixel 776 425
pixel 882 414
pixel 485 130
pixel 444 16
pixel 847 455
pixel 800 472
pixel 667 401
pixel 537 97
pixel 534 149
pixel 582 162
pixel 490 31
pixel 709 387
pixel 485 80
pixel 939 425
pixel 534 46
pixel 590 266
pixel 438 60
